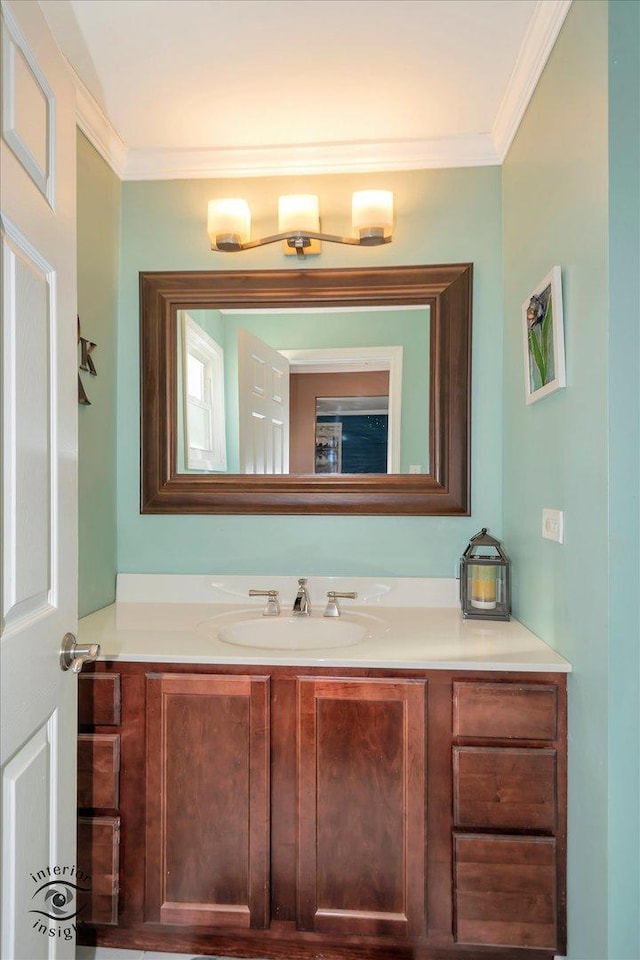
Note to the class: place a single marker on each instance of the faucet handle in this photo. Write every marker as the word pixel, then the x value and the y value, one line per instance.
pixel 272 608
pixel 332 608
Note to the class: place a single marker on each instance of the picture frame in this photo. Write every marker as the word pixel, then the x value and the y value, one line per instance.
pixel 543 338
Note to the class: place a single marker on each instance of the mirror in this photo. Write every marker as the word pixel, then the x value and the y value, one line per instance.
pixel 190 323
pixel 349 391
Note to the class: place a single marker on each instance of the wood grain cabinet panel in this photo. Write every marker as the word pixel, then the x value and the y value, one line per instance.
pixel 505 891
pixel 207 823
pixel 98 859
pixel 99 699
pixel 98 768
pixel 361 804
pixel 523 711
pixel 505 788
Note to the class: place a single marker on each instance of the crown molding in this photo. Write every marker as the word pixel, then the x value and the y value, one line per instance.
pixel 295 159
pixel 536 46
pixel 483 149
pixel 97 127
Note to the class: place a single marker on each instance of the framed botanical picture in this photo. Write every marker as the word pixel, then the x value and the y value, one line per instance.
pixel 543 339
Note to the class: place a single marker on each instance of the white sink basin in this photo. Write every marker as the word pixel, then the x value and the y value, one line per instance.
pixel 290 633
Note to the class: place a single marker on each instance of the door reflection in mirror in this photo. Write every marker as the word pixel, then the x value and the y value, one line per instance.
pixel 263 406
pixel 275 367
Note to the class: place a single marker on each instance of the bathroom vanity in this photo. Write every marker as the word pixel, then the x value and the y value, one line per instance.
pixel 401 797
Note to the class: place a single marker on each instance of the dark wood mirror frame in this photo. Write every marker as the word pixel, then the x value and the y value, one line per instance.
pixel 444 491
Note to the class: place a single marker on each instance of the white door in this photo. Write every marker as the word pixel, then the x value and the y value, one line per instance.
pixel 263 385
pixel 39 503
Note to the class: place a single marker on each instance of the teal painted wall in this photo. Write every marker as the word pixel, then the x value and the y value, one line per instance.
pixel 99 196
pixel 443 216
pixel 555 211
pixel 624 484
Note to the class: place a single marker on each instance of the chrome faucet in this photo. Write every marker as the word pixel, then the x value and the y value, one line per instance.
pixel 272 608
pixel 333 607
pixel 302 602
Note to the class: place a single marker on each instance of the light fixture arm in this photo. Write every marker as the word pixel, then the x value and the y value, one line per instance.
pixel 230 242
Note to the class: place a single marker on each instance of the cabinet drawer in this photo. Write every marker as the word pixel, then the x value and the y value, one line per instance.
pixel 98 857
pixel 504 788
pixel 523 711
pixel 98 768
pixel 505 891
pixel 99 699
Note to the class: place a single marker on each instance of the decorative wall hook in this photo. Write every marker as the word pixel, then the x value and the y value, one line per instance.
pixel 86 363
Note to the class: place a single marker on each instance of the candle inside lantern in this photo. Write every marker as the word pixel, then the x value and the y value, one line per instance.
pixel 483 586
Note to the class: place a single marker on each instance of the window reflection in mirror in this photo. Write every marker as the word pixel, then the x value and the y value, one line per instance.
pixel 318 391
pixel 201 418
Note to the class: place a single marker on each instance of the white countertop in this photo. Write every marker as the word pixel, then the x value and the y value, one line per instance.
pixel 403 637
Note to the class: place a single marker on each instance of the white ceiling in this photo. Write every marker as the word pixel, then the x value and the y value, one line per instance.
pixel 174 88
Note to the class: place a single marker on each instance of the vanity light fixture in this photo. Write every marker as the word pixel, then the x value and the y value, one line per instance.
pixel 229 223
pixel 484 579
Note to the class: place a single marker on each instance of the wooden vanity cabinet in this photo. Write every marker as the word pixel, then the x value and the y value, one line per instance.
pixel 282 812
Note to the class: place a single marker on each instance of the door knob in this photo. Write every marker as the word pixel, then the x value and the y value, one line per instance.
pixel 74 655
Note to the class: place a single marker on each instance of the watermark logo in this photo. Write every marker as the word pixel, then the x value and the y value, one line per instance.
pixel 57 900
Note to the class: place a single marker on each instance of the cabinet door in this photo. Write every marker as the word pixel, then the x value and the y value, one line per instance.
pixel 361 802
pixel 207 831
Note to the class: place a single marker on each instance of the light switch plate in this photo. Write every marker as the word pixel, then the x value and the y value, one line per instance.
pixel 553 524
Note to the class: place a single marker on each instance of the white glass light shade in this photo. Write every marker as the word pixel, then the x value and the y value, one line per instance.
pixel 229 218
pixel 372 210
pixel 298 213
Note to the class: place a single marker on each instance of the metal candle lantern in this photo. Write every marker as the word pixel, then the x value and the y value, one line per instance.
pixel 484 579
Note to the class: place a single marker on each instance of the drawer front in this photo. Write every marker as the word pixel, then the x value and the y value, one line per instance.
pixel 99 699
pixel 504 788
pixel 523 711
pixel 98 769
pixel 98 858
pixel 505 891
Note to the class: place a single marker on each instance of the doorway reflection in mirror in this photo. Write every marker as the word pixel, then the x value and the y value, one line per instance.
pixel 351 434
